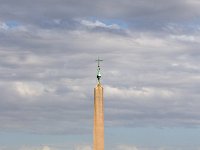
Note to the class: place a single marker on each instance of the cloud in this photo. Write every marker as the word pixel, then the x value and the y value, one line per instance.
pixel 32 89
pixel 126 147
pixel 146 14
pixel 134 147
pixel 97 23
pixel 83 147
pixel 4 26
pixel 36 148
pixel 150 71
pixel 131 93
pixel 45 148
pixel 51 73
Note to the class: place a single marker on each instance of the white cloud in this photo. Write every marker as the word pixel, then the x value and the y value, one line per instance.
pixel 26 59
pixel 150 41
pixel 127 147
pixel 29 88
pixel 46 148
pixel 83 147
pixel 36 148
pixel 4 26
pixel 143 92
pixel 97 23
pixel 185 38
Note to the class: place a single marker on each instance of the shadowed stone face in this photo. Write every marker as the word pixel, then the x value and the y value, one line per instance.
pixel 98 118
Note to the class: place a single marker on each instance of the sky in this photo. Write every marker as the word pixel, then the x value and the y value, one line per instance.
pixel 150 73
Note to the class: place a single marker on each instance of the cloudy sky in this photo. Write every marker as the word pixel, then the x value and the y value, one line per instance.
pixel 150 73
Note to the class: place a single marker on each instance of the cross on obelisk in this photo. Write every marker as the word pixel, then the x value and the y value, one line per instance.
pixel 98 60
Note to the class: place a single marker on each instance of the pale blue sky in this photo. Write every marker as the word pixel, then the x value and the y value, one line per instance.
pixel 144 137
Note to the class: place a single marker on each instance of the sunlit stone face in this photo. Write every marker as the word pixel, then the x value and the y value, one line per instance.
pixel 98 118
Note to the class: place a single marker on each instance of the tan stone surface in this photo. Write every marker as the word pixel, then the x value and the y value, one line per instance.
pixel 98 118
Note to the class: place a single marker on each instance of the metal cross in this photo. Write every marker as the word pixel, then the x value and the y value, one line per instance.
pixel 98 60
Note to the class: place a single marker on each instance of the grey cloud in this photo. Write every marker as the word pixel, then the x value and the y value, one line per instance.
pixel 24 112
pixel 51 60
pixel 141 14
pixel 131 62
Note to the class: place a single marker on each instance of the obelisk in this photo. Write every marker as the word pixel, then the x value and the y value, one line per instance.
pixel 98 114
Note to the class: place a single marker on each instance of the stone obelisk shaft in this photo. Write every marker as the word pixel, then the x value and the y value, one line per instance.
pixel 98 118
